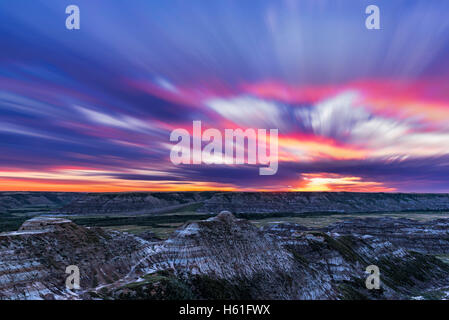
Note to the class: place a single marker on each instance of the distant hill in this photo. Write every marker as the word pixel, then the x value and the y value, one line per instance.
pixel 14 200
pixel 134 202
pixel 309 202
pixel 215 202
pixel 255 202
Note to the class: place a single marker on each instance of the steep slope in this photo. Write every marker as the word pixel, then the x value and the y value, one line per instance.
pixel 237 252
pixel 221 257
pixel 343 258
pixel 284 261
pixel 429 237
pixel 253 202
pixel 133 202
pixel 33 260
pixel 21 199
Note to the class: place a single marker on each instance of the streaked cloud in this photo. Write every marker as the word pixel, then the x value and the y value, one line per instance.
pixel 356 110
pixel 250 112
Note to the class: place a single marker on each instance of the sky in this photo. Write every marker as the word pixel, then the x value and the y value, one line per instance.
pixel 356 109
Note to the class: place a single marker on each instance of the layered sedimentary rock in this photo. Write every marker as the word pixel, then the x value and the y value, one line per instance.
pixel 234 250
pixel 237 202
pixel 430 237
pixel 222 257
pixel 308 202
pixel 33 260
pixel 17 199
pixel 133 202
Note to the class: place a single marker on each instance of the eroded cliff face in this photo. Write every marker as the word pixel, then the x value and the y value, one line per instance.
pixel 430 237
pixel 222 257
pixel 133 202
pixel 235 251
pixel 342 257
pixel 33 260
pixel 255 202
pixel 20 199
pixel 306 202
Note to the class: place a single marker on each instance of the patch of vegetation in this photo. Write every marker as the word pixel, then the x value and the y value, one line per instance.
pixel 406 274
pixel 165 285
pixel 343 249
pixel 349 290
pixel 157 286
pixel 355 289
pixel 342 245
pixel 298 257
pixel 434 295
pixel 9 222
pixel 148 279
pixel 206 287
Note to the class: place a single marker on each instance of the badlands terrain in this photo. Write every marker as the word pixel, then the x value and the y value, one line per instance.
pixel 176 246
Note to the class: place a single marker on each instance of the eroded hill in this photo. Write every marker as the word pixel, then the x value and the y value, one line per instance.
pixel 228 258
pixel 255 202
